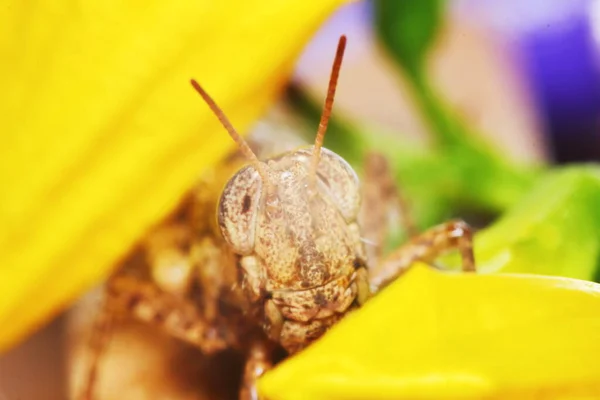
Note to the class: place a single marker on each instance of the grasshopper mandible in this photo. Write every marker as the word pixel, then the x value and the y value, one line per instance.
pixel 289 254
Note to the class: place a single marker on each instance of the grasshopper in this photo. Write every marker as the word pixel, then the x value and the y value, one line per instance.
pixel 296 245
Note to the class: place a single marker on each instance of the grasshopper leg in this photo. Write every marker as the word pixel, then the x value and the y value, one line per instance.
pixel 177 316
pixel 207 254
pixel 259 361
pixel 383 206
pixel 146 302
pixel 208 259
pixel 100 336
pixel 426 247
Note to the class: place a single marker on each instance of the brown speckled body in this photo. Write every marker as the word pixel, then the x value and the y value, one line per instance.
pixel 302 255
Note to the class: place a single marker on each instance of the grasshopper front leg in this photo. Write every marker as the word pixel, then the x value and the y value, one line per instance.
pixel 382 199
pixel 152 287
pixel 426 247
pixel 146 302
pixel 259 360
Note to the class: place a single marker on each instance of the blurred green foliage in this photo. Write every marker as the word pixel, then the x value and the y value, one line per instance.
pixel 408 28
pixel 549 218
pixel 553 230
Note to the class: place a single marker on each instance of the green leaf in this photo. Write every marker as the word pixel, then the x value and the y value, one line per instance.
pixel 554 230
pixel 408 28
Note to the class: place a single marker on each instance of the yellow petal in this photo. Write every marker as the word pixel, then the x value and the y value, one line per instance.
pixel 102 132
pixel 435 335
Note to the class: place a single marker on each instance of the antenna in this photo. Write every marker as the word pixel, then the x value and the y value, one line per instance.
pixel 243 145
pixel 335 72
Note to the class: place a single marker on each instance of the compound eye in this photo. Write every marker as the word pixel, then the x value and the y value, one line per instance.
pixel 238 209
pixel 341 182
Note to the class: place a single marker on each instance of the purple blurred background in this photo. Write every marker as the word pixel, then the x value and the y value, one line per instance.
pixel 558 42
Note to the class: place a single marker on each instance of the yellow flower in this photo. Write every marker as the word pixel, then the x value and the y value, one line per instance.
pixel 438 335
pixel 102 132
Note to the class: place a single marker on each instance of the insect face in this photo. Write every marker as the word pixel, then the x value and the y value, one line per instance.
pixel 299 240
